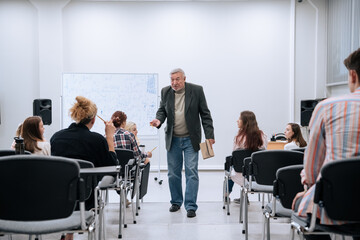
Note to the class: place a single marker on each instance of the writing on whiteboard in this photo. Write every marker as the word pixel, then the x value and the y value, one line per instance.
pixel 134 94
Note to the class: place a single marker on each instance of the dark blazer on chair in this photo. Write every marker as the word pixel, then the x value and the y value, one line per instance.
pixel 195 107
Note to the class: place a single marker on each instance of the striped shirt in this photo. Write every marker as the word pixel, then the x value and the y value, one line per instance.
pixel 334 135
pixel 126 140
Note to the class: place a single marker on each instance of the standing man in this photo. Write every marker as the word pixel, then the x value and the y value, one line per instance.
pixel 334 135
pixel 182 103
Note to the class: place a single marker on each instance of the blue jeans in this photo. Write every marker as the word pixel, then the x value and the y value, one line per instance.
pixel 181 149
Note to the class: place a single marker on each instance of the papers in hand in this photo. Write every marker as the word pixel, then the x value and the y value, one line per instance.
pixel 206 149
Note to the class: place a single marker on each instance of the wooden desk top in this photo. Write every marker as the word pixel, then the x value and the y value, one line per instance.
pixel 278 145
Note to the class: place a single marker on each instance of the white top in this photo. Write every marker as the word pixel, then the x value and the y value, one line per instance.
pixel 45 149
pixel 291 145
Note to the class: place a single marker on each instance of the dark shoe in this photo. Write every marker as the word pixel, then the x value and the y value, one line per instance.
pixel 227 199
pixel 237 200
pixel 174 208
pixel 191 214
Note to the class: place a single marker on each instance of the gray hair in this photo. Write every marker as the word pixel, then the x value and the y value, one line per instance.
pixel 176 70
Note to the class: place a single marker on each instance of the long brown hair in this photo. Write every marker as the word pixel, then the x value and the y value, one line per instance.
pixel 250 131
pixel 31 133
pixel 297 137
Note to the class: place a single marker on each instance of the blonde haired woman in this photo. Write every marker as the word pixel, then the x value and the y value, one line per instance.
pixel 131 127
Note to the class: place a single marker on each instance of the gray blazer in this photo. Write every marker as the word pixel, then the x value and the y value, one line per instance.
pixel 195 106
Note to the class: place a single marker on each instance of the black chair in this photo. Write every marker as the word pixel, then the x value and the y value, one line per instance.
pixel 286 185
pixel 263 168
pixel 41 194
pixel 335 193
pixel 235 161
pixel 299 149
pixel 9 152
pixel 144 180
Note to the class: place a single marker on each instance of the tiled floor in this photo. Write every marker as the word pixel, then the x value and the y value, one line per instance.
pixel 156 222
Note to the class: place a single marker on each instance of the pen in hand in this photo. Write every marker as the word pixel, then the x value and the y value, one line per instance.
pixel 101 118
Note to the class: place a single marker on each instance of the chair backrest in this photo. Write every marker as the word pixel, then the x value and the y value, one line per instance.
pixel 228 163
pixel 246 168
pixel 144 181
pixel 123 156
pixel 38 187
pixel 238 158
pixel 288 184
pixel 9 152
pixel 337 190
pixel 264 164
pixel 91 180
pixel 299 149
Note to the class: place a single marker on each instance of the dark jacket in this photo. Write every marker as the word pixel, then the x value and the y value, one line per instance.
pixel 77 141
pixel 195 107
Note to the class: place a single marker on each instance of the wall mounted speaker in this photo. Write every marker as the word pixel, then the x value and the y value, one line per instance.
pixel 306 110
pixel 42 108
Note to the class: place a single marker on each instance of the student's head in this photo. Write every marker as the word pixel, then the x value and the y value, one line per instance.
pixel 293 133
pixel 247 120
pixel 249 130
pixel 352 63
pixel 32 131
pixel 178 78
pixel 83 111
pixel 119 119
pixel 131 127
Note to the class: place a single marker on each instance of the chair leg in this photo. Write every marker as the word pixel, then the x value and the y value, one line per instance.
pixel 263 200
pixel 245 225
pixel 268 228
pixel 137 196
pixel 121 211
pixel 227 196
pixel 263 232
pixel 224 192
pixel 133 210
pixel 292 233
pixel 242 202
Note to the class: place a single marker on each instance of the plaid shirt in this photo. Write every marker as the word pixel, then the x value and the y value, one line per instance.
pixel 334 135
pixel 126 140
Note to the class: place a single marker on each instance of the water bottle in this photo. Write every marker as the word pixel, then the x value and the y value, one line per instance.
pixel 19 145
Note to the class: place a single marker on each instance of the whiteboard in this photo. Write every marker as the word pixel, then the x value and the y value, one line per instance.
pixel 134 94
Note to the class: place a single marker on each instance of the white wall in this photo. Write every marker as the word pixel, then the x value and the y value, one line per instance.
pixel 19 65
pixel 310 52
pixel 239 52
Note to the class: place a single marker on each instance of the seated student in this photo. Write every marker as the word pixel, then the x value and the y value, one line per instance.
pixel 249 137
pixel 334 135
pixel 77 141
pixel 32 132
pixel 125 139
pixel 131 127
pixel 294 137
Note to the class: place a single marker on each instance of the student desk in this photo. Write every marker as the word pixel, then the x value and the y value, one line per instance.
pixel 278 145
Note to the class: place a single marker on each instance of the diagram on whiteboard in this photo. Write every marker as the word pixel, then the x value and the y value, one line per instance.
pixel 134 94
